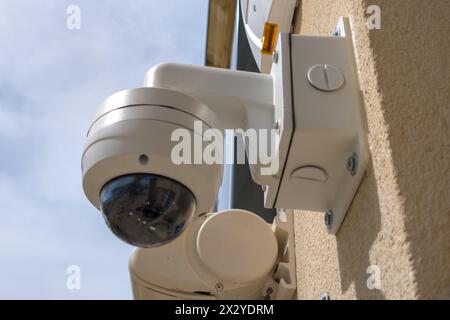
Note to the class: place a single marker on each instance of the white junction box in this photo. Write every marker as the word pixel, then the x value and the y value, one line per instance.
pixel 319 109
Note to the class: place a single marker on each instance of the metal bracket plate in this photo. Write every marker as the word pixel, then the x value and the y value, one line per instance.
pixel 283 285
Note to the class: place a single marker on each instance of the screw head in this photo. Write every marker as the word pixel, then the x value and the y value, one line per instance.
pixel 325 296
pixel 326 77
pixel 277 125
pixel 328 218
pixel 219 287
pixel 275 57
pixel 143 159
pixel 204 215
pixel 268 294
pixel 352 164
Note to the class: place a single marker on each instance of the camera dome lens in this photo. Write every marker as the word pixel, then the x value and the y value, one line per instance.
pixel 146 210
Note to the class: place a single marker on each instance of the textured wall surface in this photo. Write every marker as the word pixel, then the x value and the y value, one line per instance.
pixel 400 218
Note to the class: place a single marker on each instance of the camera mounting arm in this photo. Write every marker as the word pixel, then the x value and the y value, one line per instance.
pixel 238 99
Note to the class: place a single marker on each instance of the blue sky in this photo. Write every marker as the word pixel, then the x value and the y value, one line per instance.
pixel 51 81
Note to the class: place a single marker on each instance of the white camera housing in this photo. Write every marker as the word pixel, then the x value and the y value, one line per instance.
pixel 137 122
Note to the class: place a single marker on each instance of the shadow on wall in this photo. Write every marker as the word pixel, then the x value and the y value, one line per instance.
pixel 353 253
pixel 415 86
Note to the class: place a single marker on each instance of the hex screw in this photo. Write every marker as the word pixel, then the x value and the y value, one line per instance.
pixel 352 164
pixel 328 218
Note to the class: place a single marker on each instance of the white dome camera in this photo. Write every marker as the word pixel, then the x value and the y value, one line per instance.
pixel 307 113
pixel 128 173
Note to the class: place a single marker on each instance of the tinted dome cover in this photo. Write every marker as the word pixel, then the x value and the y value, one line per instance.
pixel 146 210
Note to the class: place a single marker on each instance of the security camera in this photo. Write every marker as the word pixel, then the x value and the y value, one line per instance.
pixel 157 192
pixel 145 198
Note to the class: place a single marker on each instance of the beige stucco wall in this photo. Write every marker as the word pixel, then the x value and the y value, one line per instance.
pixel 400 218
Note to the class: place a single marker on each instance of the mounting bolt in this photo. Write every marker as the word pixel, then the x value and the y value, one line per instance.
pixel 275 56
pixel 325 296
pixel 277 125
pixel 328 218
pixel 268 294
pixel 352 164
pixel 219 287
pixel 204 215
